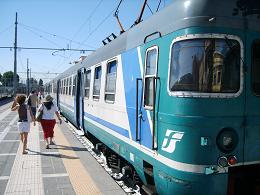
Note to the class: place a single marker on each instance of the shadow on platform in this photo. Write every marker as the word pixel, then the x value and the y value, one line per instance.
pixel 51 154
pixel 62 147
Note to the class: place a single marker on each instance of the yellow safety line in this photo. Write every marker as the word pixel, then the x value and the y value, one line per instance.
pixel 79 177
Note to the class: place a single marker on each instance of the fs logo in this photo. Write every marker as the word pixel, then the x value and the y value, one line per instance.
pixel 170 140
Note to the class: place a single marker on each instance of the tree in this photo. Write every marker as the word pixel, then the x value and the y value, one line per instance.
pixel 40 82
pixel 0 78
pixel 8 77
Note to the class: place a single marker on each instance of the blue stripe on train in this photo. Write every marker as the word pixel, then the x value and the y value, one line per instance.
pixel 109 125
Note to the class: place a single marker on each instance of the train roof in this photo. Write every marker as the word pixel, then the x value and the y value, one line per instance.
pixel 178 15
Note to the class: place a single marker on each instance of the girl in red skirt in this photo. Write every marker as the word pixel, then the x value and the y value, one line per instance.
pixel 48 120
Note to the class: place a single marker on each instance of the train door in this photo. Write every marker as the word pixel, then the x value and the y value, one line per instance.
pixel 58 94
pixel 246 179
pixel 80 99
pixel 252 111
pixel 146 128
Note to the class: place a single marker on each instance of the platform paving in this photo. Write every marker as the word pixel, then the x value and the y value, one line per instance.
pixel 66 168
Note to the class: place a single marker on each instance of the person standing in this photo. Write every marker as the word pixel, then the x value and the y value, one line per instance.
pixel 23 123
pixel 48 121
pixel 40 97
pixel 33 102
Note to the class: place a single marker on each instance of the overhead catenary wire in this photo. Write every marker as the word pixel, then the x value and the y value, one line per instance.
pixel 41 36
pixel 46 48
pixel 55 35
pixel 6 29
pixel 149 8
pixel 89 35
pixel 87 20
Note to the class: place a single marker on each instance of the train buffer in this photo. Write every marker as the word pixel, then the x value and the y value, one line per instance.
pixel 67 168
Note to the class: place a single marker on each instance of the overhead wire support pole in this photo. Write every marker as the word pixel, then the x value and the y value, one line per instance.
pixel 27 77
pixel 15 57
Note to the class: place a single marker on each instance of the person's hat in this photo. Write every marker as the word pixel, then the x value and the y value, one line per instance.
pixel 48 98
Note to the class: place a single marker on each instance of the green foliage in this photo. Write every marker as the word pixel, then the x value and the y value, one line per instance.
pixel 7 78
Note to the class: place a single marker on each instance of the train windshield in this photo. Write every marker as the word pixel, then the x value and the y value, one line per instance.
pixel 208 65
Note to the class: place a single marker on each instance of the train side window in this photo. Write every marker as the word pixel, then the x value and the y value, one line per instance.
pixel 55 87
pixel 110 88
pixel 205 65
pixel 67 85
pixel 256 67
pixel 97 83
pixel 61 83
pixel 60 88
pixel 74 85
pixel 70 83
pixel 150 73
pixel 64 84
pixel 63 87
pixel 87 83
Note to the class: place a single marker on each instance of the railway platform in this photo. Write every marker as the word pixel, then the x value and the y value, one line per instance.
pixel 66 168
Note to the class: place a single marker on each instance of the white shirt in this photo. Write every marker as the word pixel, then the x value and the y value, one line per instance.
pixel 48 114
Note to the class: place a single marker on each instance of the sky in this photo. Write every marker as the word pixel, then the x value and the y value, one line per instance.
pixel 77 24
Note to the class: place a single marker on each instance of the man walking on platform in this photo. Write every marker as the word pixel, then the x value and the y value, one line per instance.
pixel 33 102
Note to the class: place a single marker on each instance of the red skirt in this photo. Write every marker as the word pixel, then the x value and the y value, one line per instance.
pixel 47 127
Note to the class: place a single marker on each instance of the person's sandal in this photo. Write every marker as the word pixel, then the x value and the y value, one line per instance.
pixel 52 143
pixel 25 152
pixel 47 146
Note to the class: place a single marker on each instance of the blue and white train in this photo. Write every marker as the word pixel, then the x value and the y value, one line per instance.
pixel 177 97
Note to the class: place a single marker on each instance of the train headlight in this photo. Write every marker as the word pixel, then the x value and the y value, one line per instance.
pixel 222 161
pixel 227 140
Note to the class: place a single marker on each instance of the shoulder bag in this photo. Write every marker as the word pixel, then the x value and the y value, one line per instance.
pixel 39 116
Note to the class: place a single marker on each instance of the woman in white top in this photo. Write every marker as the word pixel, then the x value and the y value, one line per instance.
pixel 48 120
pixel 23 123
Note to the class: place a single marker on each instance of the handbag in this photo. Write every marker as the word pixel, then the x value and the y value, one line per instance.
pixel 39 116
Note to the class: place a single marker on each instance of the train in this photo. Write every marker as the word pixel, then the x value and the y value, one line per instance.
pixel 6 92
pixel 177 97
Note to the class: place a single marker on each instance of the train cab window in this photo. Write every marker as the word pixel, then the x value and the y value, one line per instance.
pixel 110 89
pixel 74 85
pixel 256 67
pixel 205 65
pixel 97 83
pixel 87 83
pixel 150 73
